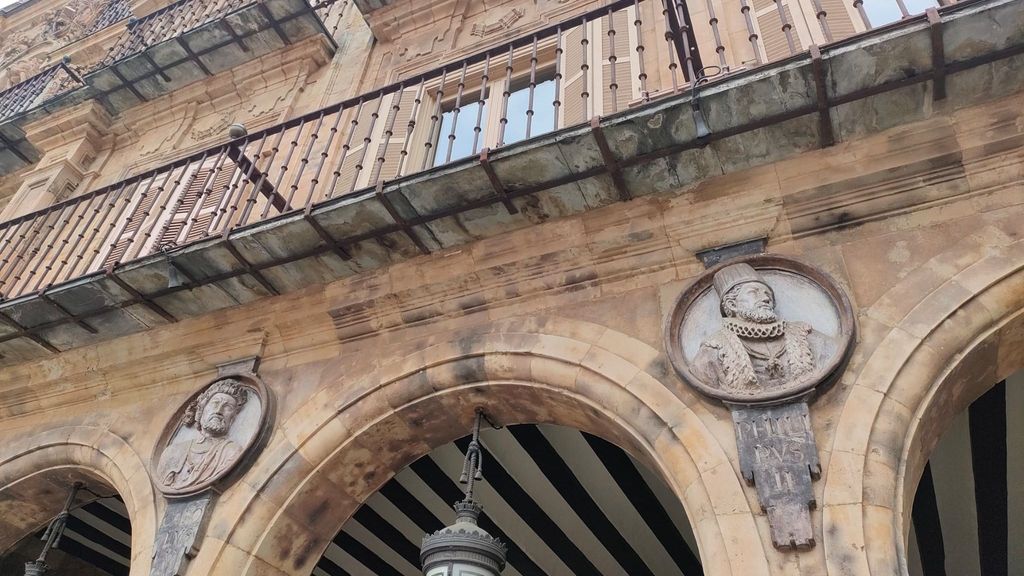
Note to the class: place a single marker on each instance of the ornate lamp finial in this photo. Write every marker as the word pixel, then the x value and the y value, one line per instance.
pixel 464 544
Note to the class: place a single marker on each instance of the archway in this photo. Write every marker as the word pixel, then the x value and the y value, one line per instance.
pixel 341 448
pixel 564 502
pixel 112 523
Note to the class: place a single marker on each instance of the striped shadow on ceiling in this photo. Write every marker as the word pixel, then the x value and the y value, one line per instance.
pixel 968 516
pixel 565 503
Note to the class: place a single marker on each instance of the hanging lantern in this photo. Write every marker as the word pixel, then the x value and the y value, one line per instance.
pixel 52 535
pixel 464 548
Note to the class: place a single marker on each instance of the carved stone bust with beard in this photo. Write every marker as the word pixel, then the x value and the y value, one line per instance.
pixel 755 350
pixel 203 457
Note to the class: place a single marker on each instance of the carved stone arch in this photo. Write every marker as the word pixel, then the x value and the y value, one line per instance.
pixel 332 454
pixel 931 358
pixel 86 453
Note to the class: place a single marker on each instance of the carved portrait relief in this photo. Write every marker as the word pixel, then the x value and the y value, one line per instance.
pixel 763 333
pixel 211 435
pixel 760 330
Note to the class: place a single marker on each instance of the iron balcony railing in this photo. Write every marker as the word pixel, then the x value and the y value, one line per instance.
pixel 178 18
pixel 33 91
pixel 597 63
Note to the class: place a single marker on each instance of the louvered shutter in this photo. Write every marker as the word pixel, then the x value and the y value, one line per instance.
pixel 576 80
pixel 626 67
pixel 391 151
pixel 769 24
pixel 349 170
pixel 139 214
pixel 840 20
pixel 215 188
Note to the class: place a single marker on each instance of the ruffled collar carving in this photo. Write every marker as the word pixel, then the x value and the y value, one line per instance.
pixel 754 330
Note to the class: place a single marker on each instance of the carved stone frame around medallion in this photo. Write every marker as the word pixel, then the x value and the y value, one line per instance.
pixel 822 378
pixel 250 450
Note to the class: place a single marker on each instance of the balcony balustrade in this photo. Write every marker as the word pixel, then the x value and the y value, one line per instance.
pixel 24 98
pixel 602 63
pixel 190 39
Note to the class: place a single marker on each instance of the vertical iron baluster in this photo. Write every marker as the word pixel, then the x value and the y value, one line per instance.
pixel 787 26
pixel 292 145
pixel 66 231
pixel 211 177
pixel 481 102
pixel 128 220
pixel 82 265
pixel 6 265
pixel 642 71
pixel 264 178
pixel 455 111
pixel 673 67
pixel 180 201
pixel 684 37
pixel 533 86
pixel 367 140
pixel 751 32
pixel 304 160
pixel 585 68
pixel 345 148
pixel 389 131
pixel 435 123
pixel 822 16
pixel 10 231
pixel 410 130
pixel 229 192
pixel 325 153
pixel 713 22
pixel 556 104
pixel 505 94
pixel 859 6
pixel 248 179
pixel 613 85
pixel 41 265
pixel 25 246
pixel 126 200
pixel 94 209
pixel 160 212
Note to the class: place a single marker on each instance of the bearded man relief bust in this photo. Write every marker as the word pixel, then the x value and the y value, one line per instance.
pixel 192 461
pixel 756 351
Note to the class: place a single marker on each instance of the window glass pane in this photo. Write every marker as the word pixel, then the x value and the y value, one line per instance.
pixel 543 111
pixel 881 12
pixel 462 146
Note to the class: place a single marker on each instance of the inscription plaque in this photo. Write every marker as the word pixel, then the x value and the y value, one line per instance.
pixel 763 334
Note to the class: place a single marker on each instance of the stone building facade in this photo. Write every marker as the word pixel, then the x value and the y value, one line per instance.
pixel 378 217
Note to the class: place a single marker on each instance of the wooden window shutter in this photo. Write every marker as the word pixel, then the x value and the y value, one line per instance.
pixel 626 68
pixel 769 23
pixel 839 18
pixel 576 81
pixel 393 153
pixel 211 190
pixel 349 172
pixel 139 214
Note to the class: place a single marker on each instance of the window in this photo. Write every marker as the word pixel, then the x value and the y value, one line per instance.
pixel 464 141
pixel 882 12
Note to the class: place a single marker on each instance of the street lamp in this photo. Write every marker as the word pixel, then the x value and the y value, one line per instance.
pixel 52 535
pixel 464 548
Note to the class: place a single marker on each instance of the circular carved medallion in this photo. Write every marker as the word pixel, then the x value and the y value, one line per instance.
pixel 210 435
pixel 760 329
